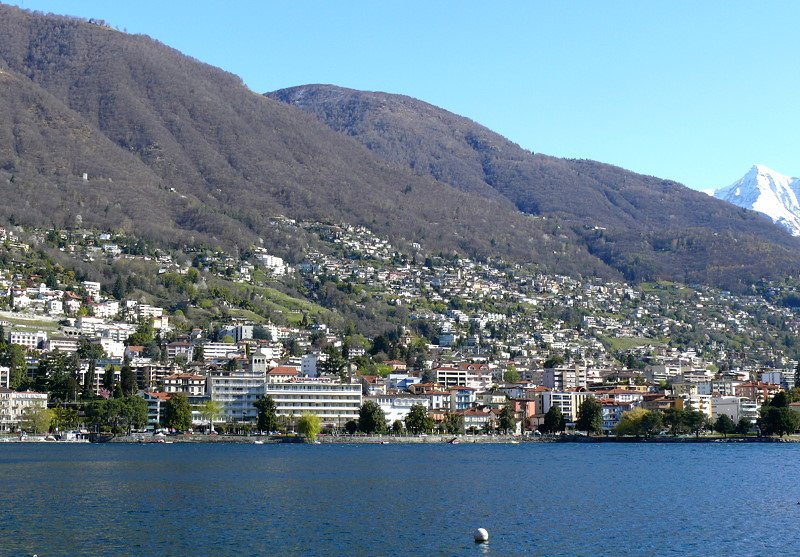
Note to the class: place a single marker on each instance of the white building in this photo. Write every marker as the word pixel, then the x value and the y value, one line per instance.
pixel 112 348
pixel 143 310
pixel 188 383
pixel 568 402
pixel 272 262
pixel 106 310
pixel 237 332
pixel 698 403
pixel 28 339
pixel 564 378
pixel 308 365
pixel 476 376
pixel 62 344
pixel 397 407
pixel 334 403
pixel 219 351
pixel 72 305
pixel 89 326
pixel 239 389
pixel 92 288
pixel 735 407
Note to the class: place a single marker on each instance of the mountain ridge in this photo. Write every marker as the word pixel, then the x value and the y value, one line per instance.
pixel 644 226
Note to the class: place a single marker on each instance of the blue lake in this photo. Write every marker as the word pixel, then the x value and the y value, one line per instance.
pixel 534 499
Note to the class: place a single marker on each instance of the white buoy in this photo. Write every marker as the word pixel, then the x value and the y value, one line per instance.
pixel 481 535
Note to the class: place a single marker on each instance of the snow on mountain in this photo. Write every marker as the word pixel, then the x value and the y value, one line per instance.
pixel 766 191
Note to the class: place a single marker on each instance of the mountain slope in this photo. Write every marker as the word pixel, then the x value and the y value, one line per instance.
pixel 197 157
pixel 643 226
pixel 768 192
pixel 184 153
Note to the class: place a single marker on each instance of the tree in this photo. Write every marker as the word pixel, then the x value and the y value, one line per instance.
pixel 508 419
pixel 88 380
pixel 639 422
pixel 553 421
pixel 743 426
pixel 118 290
pixel 267 414
pixel 65 418
pixel 261 333
pixel 590 416
pixel 351 426
pixel 88 350
pixel 780 400
pixel 397 427
pixel 553 361
pixel 334 364
pixel 109 378
pixel 127 379
pixel 13 357
pixel 724 425
pixel 651 423
pixel 695 421
pixel 133 410
pixel 119 415
pixel 144 335
pixel 675 420
pixel 211 410
pixel 371 418
pixel 454 423
pixel 57 374
pixel 428 376
pixel 36 419
pixel 511 375
pixel 178 413
pixel 779 421
pixel 309 425
pixel 418 420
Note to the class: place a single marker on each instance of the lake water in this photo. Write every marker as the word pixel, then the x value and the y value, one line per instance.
pixel 534 499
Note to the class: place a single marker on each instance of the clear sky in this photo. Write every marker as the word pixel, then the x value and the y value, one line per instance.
pixel 695 91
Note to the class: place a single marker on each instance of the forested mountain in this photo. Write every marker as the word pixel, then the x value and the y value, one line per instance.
pixel 643 226
pixel 183 153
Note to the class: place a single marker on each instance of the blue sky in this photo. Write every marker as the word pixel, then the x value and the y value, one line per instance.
pixel 687 90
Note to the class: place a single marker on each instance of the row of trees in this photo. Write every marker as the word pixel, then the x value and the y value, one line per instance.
pixel 119 415
pixel 776 418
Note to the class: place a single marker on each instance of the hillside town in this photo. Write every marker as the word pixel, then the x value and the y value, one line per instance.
pixel 480 347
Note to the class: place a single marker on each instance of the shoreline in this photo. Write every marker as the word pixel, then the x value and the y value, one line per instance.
pixel 391 439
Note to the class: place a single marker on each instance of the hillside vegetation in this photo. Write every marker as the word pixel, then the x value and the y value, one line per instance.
pixel 642 226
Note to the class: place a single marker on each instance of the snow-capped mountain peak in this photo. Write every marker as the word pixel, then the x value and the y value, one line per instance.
pixel 767 191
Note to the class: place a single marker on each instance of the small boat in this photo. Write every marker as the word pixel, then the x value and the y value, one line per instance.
pixel 258 442
pixel 454 441
pixel 384 442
